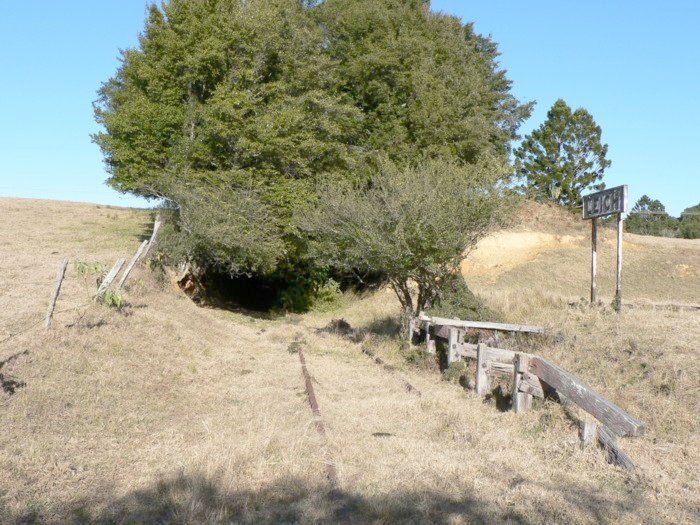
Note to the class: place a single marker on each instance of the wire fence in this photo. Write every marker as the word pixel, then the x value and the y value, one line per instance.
pixel 39 321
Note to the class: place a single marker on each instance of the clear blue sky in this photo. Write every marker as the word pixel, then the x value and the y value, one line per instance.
pixel 635 65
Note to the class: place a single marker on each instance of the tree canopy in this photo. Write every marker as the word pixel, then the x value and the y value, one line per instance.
pixel 690 222
pixel 239 112
pixel 563 157
pixel 648 217
pixel 383 227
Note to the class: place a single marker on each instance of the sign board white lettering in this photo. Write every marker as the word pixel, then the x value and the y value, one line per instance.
pixel 606 202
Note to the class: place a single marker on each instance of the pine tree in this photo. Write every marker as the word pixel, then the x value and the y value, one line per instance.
pixel 648 217
pixel 563 157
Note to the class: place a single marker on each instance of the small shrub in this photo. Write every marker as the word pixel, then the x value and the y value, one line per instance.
pixel 306 292
pixel 113 298
pixel 327 295
pixel 418 357
pixel 89 268
pixel 411 226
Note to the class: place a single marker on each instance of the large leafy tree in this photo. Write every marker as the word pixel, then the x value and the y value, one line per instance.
pixel 563 157
pixel 226 101
pixel 238 111
pixel 427 84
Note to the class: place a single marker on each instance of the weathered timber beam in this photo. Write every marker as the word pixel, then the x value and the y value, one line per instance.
pixel 458 323
pixel 469 349
pixel 156 227
pixel 497 368
pixel 532 385
pixel 608 441
pixel 494 354
pixel 588 399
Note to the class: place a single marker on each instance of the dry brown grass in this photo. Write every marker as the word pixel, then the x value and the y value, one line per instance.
pixel 166 412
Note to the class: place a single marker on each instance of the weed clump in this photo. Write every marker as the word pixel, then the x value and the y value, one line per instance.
pixel 88 268
pixel 457 373
pixel 112 298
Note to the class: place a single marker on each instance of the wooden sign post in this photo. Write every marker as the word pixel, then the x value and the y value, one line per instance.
pixel 600 204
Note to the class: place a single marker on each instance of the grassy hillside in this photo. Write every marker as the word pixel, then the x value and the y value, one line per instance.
pixel 166 412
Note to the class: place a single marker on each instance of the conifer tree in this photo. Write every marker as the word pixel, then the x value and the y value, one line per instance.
pixel 563 157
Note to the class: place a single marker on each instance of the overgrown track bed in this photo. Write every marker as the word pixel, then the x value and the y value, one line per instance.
pixel 166 412
pixel 318 420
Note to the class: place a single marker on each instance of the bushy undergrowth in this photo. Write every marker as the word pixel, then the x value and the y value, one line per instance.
pixel 305 293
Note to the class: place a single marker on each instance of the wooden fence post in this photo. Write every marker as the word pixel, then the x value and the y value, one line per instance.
pixel 429 343
pixel 618 282
pixel 594 253
pixel 452 352
pixel 587 433
pixel 156 227
pixel 482 378
pixel 56 290
pixel 110 277
pixel 131 264
pixel 521 400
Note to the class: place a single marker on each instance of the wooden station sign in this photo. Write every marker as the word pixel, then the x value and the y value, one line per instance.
pixel 606 202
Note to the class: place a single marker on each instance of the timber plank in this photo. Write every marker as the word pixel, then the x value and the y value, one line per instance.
pixel 588 399
pixel 504 327
pixel 608 441
pixel 156 227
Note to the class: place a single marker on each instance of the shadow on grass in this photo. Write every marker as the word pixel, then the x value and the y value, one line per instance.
pixel 146 226
pixel 199 499
pixel 7 384
pixel 388 326
pixel 502 398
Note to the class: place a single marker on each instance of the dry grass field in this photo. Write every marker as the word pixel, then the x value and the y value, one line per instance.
pixel 165 412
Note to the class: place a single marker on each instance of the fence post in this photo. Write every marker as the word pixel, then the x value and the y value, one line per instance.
pixel 429 343
pixel 156 227
pixel 452 352
pixel 521 400
pixel 482 378
pixel 587 433
pixel 131 264
pixel 110 277
pixel 56 290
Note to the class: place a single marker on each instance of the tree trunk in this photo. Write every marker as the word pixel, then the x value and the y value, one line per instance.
pixel 407 313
